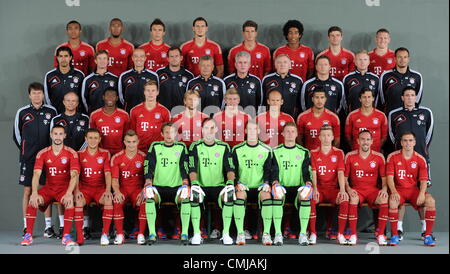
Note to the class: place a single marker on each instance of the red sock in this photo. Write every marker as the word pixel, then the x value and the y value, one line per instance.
pixel 78 218
pixel 142 219
pixel 383 210
pixel 393 218
pixel 343 216
pixel 31 218
pixel 68 219
pixel 430 215
pixel 107 218
pixel 312 218
pixel 118 217
pixel 352 218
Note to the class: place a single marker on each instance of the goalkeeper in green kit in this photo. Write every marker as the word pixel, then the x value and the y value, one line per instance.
pixel 291 169
pixel 166 179
pixel 211 172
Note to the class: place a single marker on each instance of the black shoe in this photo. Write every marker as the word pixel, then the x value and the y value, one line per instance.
pixel 87 233
pixel 49 232
pixel 61 232
pixel 400 234
pixel 422 236
pixel 24 231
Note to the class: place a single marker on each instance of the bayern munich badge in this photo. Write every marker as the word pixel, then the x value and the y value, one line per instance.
pixel 111 83
pixel 375 121
pixel 260 156
pixel 421 117
pixel 389 61
pixel 372 82
pixel 258 55
pixel 123 51
pixel 333 87
pixel 302 55
pixel 373 164
pixel 216 88
pixel 82 123
pixel 298 157
pixel 82 53
pixel 413 164
pixel 75 79
pixel 208 52
pixel 412 80
pixel 238 123
pixel 117 120
pixel 177 154
pixel 334 159
pixel 100 160
pixel 252 85
pixel 138 164
pixel 48 116
pixel 344 61
pixel 282 123
pixel 199 124
pixel 157 115
pixel 184 79
pixel 325 123
pixel 217 155
pixel 163 55
pixel 293 85
pixel 22 178
pixel 64 160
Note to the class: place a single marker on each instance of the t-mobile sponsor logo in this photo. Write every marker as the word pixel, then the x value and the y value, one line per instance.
pixel 144 126
pixel 126 174
pixel 195 60
pixel 401 173
pixel 105 130
pixel 313 133
pixel 88 172
pixel 359 173
pixel 322 170
pixel 52 171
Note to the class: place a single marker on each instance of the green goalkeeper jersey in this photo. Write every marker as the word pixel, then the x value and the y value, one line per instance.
pixel 210 162
pixel 291 165
pixel 252 164
pixel 167 166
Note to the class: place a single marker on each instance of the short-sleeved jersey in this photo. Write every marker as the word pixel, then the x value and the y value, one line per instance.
pixel 354 83
pixel 261 63
pixel 210 162
pixel 83 57
pixel 166 165
pixel 309 126
pixel 231 128
pixel 57 168
pixel 156 55
pixel 75 126
pixel 376 123
pixel 131 87
pixel 379 64
pixel 332 86
pixel 407 172
pixel 93 167
pixel 119 56
pixel 341 64
pixel 327 166
pixel 93 88
pixel 172 86
pixel 253 164
pixel 364 173
pixel 291 165
pixel 189 129
pixel 249 89
pixel 192 53
pixel 130 172
pixel 302 59
pixel 271 127
pixel 212 91
pixel 147 123
pixel 112 127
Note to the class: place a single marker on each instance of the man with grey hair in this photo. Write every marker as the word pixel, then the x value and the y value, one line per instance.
pixel 248 85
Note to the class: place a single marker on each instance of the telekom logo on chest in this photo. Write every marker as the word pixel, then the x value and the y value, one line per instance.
pixel 401 173
pixel 359 173
pixel 105 130
pixel 322 170
pixel 126 174
pixel 144 126
pixel 313 133
pixel 88 172
pixel 52 171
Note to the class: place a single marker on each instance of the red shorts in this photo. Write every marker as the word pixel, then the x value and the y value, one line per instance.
pixel 328 195
pixel 50 196
pixel 409 195
pixel 130 194
pixel 368 195
pixel 92 194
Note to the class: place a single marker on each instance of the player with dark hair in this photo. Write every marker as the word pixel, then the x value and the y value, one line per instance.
pixel 156 49
pixel 381 58
pixel 260 60
pixel 302 57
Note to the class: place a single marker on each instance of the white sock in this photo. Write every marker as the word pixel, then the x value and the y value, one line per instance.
pixel 400 225
pixel 48 222
pixel 424 225
pixel 61 220
pixel 86 221
pixel 24 222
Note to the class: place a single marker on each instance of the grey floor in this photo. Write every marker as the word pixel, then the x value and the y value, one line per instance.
pixel 9 244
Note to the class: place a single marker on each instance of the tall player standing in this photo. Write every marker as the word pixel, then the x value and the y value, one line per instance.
pixel 156 49
pixel 381 58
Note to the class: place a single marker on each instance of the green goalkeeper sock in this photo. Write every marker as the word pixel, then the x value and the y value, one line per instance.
pixel 239 214
pixel 266 214
pixel 150 211
pixel 277 212
pixel 227 216
pixel 304 213
pixel 195 217
pixel 185 215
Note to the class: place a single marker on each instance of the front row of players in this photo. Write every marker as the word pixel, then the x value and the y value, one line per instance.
pixel 251 172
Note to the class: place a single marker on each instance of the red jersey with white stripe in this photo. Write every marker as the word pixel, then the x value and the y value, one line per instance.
pixel 364 173
pixel 327 166
pixel 379 64
pixel 119 56
pixel 232 128
pixel 341 64
pixel 93 167
pixel 272 127
pixel 156 55
pixel 112 127
pixel 83 57
pixel 192 53
pixel 376 123
pixel 147 123
pixel 57 168
pixel 261 63
pixel 407 172
pixel 309 126
pixel 130 172
pixel 189 128
pixel 302 59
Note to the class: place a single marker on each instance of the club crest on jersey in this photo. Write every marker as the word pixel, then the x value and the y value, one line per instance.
pixel 372 82
pixel 252 85
pixel 333 159
pixel 333 87
pixel 48 116
pixel 421 117
pixel 184 79
pixel 258 55
pixel 82 123
pixel 389 61
pixel 64 160
pixel 282 123
pixel 157 115
pixel 217 154
pixel 298 157
pixel 22 178
pixel 76 79
pixel 412 80
pixel 163 55
pixel 375 121
pixel 111 83
pixel 373 164
pixel 100 160
pixel 293 85
pixel 82 53
pixel 177 154
pixel 199 124
pixel 302 55
pixel 117 120
pixel 216 88
pixel 138 164
pixel 208 52
pixel 123 51
pixel 238 123
pixel 413 164
pixel 260 156
pixel 325 122
pixel 344 61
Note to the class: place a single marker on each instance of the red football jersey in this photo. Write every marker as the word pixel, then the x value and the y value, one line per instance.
pixel 57 168
pixel 231 129
pixel 130 172
pixel 271 128
pixel 379 64
pixel 364 173
pixel 260 59
pixel 309 126
pixel 112 128
pixel 83 57
pixel 376 123
pixel 327 167
pixel 119 56
pixel 302 59
pixel 189 128
pixel 406 172
pixel 147 123
pixel 93 167
pixel 192 53
pixel 341 64
pixel 156 56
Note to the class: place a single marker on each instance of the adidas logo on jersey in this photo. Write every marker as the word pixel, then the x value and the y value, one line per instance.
pixel 49 161
pixel 272 85
pixel 85 160
pixel 353 83
pixel 142 115
pixel 391 81
pixel 27 118
pixel 54 81
pixel 122 164
pixel 93 86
